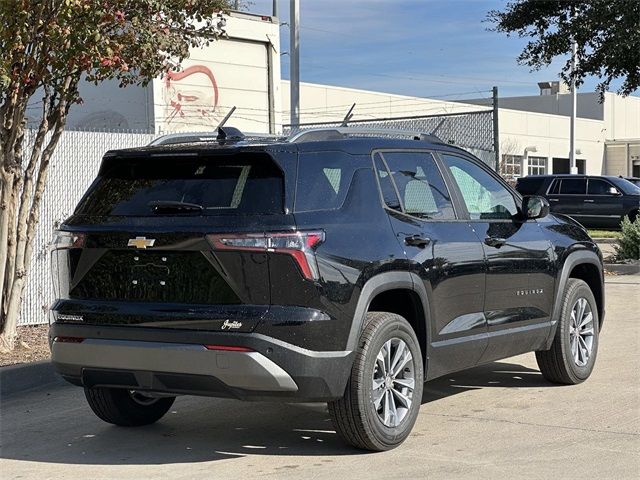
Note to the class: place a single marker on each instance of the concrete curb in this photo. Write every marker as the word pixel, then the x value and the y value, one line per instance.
pixel 622 268
pixel 19 378
pixel 610 241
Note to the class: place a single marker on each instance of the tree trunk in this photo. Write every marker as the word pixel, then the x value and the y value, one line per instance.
pixel 6 216
pixel 27 196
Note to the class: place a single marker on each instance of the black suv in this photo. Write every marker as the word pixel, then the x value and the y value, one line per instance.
pixel 335 266
pixel 594 201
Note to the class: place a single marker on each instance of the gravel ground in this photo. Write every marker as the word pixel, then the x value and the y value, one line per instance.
pixel 31 346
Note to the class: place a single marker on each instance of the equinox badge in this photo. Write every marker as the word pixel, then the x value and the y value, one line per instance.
pixel 141 242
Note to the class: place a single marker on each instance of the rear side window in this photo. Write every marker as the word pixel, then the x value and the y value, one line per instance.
pixel 323 180
pixel 573 186
pixel 238 184
pixel 421 187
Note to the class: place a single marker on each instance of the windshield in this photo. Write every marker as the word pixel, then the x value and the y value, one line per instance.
pixel 627 187
pixel 238 184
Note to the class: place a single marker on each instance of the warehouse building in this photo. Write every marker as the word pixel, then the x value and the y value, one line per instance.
pixel 243 71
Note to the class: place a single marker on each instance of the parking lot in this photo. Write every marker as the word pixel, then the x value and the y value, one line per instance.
pixel 501 420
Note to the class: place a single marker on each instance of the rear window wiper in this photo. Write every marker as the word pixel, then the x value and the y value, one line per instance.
pixel 174 206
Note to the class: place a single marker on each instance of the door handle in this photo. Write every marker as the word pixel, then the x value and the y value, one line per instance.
pixel 553 199
pixel 495 241
pixel 588 201
pixel 417 241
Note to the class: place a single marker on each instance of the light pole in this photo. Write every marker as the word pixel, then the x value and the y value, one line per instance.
pixel 574 105
pixel 294 62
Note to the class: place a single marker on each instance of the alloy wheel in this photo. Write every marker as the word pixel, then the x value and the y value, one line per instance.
pixel 393 382
pixel 581 330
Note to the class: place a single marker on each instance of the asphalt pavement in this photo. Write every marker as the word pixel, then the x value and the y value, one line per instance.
pixel 501 420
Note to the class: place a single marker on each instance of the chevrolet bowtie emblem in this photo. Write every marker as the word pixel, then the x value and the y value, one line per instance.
pixel 141 242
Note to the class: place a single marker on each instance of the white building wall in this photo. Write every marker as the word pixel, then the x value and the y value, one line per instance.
pixel 241 71
pixel 621 117
pixel 327 103
pixel 549 135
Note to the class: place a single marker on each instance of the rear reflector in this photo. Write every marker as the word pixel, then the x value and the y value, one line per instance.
pixel 228 348
pixel 299 245
pixel 68 339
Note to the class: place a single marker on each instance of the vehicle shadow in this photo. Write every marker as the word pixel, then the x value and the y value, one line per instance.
pixel 496 374
pixel 58 427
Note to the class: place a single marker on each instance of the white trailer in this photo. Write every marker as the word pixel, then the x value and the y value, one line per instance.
pixel 242 70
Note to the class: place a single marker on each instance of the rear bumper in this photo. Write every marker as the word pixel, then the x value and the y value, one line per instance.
pixel 177 362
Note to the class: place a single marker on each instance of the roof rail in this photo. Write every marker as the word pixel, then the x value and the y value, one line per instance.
pixel 228 134
pixel 340 133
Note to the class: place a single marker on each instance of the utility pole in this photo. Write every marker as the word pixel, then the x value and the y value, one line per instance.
pixel 574 105
pixel 275 8
pixel 294 62
pixel 496 132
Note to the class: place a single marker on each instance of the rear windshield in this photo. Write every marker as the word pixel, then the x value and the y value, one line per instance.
pixel 238 184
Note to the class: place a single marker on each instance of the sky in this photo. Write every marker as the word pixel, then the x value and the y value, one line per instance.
pixel 425 48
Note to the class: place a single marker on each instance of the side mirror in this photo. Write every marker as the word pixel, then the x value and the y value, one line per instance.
pixel 534 206
pixel 613 191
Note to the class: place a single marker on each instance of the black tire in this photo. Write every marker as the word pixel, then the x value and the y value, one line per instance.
pixel 355 416
pixel 126 409
pixel 558 364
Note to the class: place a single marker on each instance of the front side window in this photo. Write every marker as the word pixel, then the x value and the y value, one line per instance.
pixel 485 197
pixel 599 187
pixel 421 187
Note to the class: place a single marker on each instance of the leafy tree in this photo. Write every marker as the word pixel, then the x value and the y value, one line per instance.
pixel 46 48
pixel 607 33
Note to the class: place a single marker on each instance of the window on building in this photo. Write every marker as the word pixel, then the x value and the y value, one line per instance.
pixel 512 166
pixel 537 166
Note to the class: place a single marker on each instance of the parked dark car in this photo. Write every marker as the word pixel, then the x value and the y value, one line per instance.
pixel 337 266
pixel 594 201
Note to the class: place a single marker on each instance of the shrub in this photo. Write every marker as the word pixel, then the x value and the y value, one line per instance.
pixel 628 246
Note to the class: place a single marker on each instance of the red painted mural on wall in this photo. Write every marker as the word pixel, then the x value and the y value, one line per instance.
pixel 187 104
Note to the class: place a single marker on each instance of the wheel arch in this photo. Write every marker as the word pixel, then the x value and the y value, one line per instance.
pixel 585 265
pixel 402 293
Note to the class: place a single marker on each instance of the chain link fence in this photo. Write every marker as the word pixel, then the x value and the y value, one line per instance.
pixel 473 130
pixel 73 167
